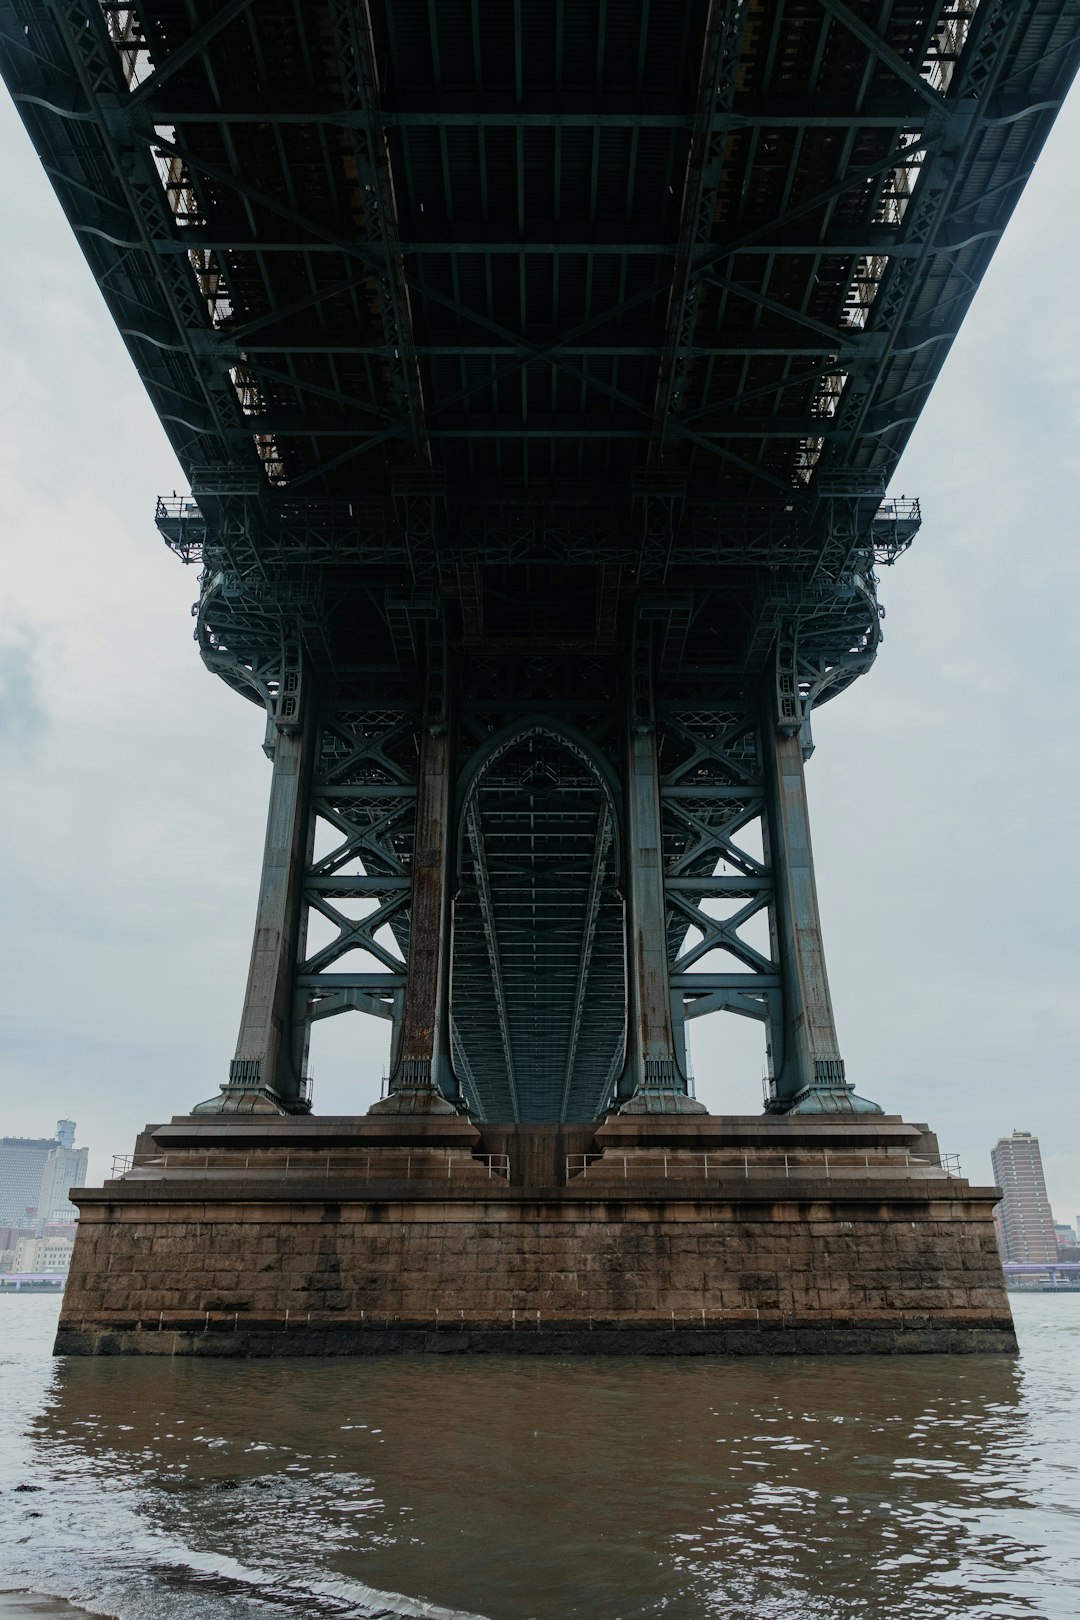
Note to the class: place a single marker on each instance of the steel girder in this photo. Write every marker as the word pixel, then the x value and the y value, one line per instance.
pixel 877 155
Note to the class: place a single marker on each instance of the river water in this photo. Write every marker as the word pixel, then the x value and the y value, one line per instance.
pixel 797 1489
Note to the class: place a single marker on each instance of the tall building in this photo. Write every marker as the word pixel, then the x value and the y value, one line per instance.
pixel 64 1168
pixel 22 1165
pixel 1027 1221
pixel 36 1173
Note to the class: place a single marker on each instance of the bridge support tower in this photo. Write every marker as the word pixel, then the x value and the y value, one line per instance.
pixel 687 880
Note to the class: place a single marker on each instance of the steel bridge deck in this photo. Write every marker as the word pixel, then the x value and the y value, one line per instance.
pixel 600 259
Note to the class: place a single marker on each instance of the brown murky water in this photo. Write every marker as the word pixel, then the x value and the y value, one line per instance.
pixel 520 1490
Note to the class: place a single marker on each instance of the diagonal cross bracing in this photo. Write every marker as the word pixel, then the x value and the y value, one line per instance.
pixel 491 938
pixel 588 939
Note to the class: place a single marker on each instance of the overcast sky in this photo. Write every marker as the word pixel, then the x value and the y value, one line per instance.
pixel 943 789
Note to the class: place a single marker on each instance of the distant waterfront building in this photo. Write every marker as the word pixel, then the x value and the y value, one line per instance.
pixel 1027 1221
pixel 43 1254
pixel 64 1168
pixel 22 1165
pixel 35 1174
pixel 1066 1237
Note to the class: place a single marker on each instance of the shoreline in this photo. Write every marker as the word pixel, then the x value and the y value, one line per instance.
pixel 27 1605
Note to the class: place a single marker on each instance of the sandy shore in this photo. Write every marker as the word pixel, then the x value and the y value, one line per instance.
pixel 30 1606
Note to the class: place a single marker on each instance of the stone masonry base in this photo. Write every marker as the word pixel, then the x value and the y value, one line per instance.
pixel 832 1339
pixel 683 1236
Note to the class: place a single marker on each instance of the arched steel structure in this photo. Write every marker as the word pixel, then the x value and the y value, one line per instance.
pixel 530 361
pixel 538 1007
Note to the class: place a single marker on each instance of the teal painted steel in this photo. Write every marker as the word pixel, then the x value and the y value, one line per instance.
pixel 557 358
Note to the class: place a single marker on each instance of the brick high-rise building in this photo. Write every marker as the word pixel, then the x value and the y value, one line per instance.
pixel 1027 1221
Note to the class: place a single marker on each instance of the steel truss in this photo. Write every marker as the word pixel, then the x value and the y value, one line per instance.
pixel 482 868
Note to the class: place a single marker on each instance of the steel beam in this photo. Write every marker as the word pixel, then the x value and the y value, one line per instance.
pixel 485 897
pixel 588 938
pixel 195 45
pixel 724 27
pixel 355 50
pixel 883 52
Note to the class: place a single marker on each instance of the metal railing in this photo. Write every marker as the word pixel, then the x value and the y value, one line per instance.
pixel 376 1164
pixel 724 1166
pixel 388 1164
pixel 498 1164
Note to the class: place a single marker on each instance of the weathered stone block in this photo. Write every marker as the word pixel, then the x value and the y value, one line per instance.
pixel 771 1263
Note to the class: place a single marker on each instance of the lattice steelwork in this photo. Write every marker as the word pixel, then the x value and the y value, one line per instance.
pixel 538 917
pixel 538 371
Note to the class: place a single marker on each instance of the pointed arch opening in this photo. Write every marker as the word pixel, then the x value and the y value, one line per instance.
pixel 538 993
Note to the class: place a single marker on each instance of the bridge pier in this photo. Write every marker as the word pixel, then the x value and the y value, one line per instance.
pixel 647 1234
pixel 443 1220
pixel 540 546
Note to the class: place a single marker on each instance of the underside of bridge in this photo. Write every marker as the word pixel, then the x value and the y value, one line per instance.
pixel 538 371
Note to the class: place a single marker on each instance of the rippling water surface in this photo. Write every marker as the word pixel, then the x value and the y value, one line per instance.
pixel 794 1489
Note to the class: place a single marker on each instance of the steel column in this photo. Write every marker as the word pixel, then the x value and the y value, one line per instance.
pixel 807 1071
pixel 267 1072
pixel 652 1080
pixel 423 1077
